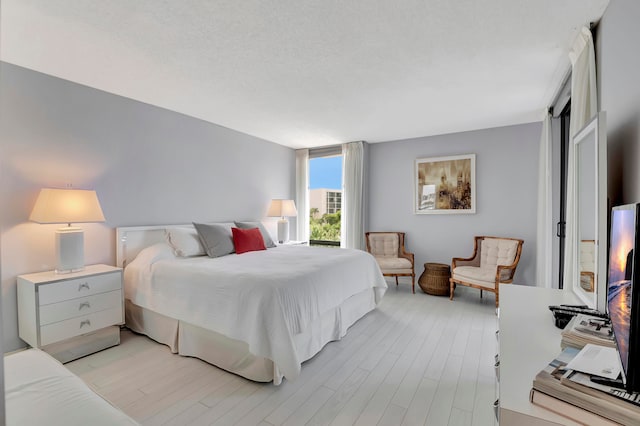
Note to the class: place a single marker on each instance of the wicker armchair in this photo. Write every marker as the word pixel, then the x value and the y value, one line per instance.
pixel 493 262
pixel 587 264
pixel 388 250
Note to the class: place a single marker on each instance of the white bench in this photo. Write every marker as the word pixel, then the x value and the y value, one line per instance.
pixel 41 391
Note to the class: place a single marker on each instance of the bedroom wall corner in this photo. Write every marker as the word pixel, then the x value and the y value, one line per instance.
pixel 506 188
pixel 148 165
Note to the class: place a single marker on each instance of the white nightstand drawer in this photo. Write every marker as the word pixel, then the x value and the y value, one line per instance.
pixel 83 306
pixel 63 313
pixel 81 325
pixel 79 287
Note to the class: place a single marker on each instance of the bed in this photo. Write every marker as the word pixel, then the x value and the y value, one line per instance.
pixel 260 314
pixel 41 391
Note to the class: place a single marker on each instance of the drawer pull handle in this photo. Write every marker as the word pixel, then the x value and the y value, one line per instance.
pixel 84 305
pixel 85 322
pixel 83 285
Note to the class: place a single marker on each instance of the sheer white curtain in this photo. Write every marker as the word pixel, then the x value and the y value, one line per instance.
pixel 352 216
pixel 302 194
pixel 544 251
pixel 584 106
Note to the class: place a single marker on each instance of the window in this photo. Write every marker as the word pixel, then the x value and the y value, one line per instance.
pixel 325 196
pixel 334 201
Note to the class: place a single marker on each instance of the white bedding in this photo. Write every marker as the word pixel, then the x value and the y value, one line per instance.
pixel 263 298
pixel 40 391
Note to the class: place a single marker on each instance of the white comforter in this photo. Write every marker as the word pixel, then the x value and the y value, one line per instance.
pixel 263 298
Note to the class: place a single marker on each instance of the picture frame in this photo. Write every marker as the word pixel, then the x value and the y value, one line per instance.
pixel 445 185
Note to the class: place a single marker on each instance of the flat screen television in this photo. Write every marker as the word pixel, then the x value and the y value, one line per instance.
pixel 623 290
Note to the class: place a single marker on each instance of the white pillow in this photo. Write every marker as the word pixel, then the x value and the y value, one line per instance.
pixel 152 254
pixel 184 241
pixel 139 269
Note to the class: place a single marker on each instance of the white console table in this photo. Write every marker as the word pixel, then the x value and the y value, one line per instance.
pixel 528 341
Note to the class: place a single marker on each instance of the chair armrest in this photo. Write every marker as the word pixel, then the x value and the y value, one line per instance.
pixel 511 269
pixel 464 261
pixel 407 255
pixel 474 260
pixel 586 280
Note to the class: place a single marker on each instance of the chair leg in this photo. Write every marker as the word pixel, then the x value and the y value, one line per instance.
pixel 480 294
pixel 413 283
pixel 452 286
pixel 396 281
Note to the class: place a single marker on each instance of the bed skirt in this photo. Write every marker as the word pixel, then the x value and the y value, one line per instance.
pixel 234 355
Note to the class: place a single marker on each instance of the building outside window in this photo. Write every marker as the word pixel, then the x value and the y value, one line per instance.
pixel 324 201
pixel 334 201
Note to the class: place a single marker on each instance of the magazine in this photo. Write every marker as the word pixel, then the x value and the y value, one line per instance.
pixel 584 329
pixel 548 381
pixel 583 383
pixel 567 410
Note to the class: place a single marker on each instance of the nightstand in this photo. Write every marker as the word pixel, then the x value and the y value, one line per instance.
pixel 71 315
pixel 294 243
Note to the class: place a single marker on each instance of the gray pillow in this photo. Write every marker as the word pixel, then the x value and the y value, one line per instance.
pixel 216 238
pixel 268 242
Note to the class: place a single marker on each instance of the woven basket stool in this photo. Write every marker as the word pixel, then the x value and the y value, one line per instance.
pixel 435 279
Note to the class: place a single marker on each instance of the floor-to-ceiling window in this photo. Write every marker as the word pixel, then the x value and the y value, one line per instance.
pixel 325 196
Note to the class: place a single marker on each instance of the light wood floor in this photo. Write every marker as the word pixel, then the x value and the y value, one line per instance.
pixel 417 359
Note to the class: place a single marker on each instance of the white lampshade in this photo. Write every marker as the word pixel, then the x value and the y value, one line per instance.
pixel 68 206
pixel 282 209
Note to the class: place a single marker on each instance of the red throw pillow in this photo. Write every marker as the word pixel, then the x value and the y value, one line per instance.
pixel 247 240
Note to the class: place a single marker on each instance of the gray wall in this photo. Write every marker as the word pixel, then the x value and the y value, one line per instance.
pixel 506 191
pixel 618 63
pixel 148 166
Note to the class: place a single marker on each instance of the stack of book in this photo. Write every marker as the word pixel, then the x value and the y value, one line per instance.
pixel 576 396
pixel 583 329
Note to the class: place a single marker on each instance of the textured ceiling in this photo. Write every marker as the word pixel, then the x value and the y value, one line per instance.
pixel 310 73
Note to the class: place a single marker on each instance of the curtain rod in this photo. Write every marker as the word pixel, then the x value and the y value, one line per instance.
pixel 565 81
pixel 559 92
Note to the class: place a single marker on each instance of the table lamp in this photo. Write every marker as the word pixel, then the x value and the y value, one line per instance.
pixel 282 209
pixel 67 206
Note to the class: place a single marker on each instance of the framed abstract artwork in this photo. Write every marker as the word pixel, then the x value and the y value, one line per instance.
pixel 445 185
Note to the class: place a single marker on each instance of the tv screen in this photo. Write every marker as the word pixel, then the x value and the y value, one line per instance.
pixel 622 298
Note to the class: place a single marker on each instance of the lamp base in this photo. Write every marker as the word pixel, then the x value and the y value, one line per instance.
pixel 69 250
pixel 283 230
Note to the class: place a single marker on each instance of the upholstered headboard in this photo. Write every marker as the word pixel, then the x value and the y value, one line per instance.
pixel 130 240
